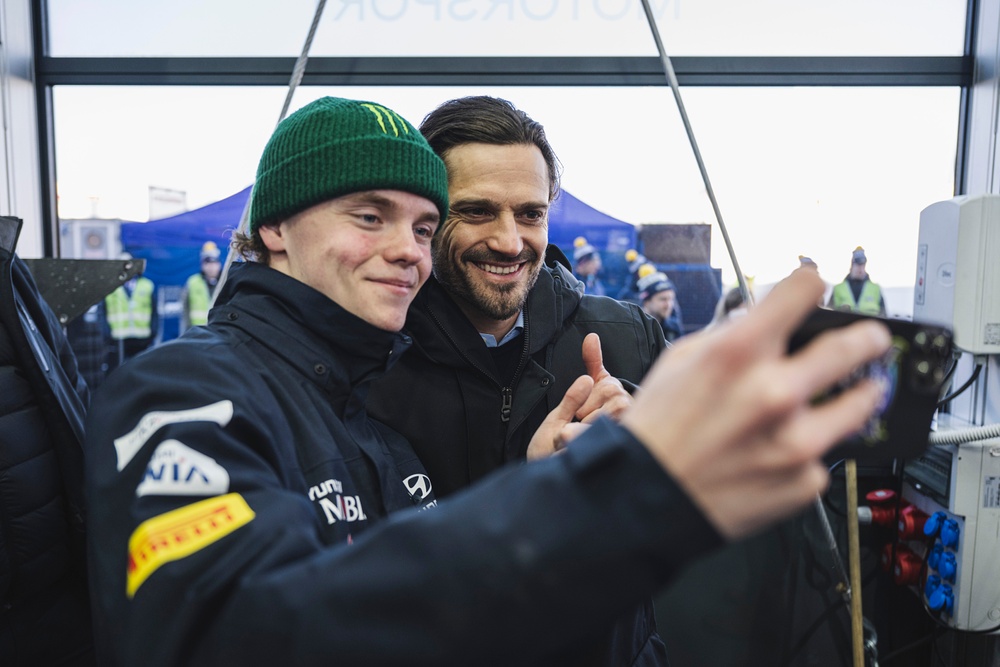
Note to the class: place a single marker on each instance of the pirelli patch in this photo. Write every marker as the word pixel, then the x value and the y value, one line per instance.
pixel 182 532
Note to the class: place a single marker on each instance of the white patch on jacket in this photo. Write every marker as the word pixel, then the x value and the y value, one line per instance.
pixel 128 445
pixel 177 470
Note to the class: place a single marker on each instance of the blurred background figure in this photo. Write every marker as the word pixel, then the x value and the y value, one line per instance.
pixel 200 287
pixel 90 337
pixel 586 266
pixel 731 305
pixel 857 292
pixel 659 299
pixel 132 316
pixel 635 261
pixel 808 263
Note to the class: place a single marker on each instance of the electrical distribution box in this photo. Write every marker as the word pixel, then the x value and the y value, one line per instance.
pixel 958 270
pixel 958 488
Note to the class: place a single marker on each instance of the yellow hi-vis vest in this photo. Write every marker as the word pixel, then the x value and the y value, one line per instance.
pixel 869 303
pixel 198 299
pixel 131 317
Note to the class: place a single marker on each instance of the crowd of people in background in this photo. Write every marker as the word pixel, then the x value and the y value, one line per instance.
pixel 127 321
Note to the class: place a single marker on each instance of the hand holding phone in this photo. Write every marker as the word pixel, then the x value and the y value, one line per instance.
pixel 910 374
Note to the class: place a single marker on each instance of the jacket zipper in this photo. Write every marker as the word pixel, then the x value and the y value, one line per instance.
pixel 506 393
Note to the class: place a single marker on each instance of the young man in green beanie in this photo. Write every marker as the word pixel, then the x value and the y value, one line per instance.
pixel 240 497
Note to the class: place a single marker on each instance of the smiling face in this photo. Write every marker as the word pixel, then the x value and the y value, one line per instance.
pixel 491 249
pixel 368 251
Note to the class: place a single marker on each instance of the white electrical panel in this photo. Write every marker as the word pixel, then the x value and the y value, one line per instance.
pixel 962 578
pixel 958 270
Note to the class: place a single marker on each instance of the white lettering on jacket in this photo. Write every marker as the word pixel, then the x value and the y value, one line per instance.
pixel 336 506
pixel 177 470
pixel 128 445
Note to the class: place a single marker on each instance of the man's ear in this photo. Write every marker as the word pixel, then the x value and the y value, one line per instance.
pixel 272 237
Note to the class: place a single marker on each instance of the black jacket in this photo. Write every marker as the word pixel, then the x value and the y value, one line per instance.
pixel 44 608
pixel 449 374
pixel 210 545
pixel 465 423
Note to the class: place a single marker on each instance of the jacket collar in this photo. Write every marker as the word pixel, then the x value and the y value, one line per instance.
pixel 303 326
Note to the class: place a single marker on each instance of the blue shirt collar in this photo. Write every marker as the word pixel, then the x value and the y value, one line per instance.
pixel 491 340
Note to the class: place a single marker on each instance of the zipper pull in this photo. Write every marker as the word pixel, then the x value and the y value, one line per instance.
pixel 508 401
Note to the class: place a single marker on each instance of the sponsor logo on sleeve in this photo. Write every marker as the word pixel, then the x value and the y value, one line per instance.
pixel 336 506
pixel 419 488
pixel 177 470
pixel 180 533
pixel 127 446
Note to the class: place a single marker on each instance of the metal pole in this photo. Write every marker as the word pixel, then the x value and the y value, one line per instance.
pixel 297 73
pixel 668 69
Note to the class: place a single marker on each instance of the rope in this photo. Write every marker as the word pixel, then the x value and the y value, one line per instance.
pixel 668 69
pixel 298 71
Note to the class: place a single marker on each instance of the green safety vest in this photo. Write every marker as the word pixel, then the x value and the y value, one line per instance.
pixel 198 300
pixel 870 302
pixel 131 317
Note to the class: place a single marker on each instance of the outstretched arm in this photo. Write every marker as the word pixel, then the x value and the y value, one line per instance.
pixel 728 412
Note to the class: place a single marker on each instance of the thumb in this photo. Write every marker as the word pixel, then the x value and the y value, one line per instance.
pixel 549 438
pixel 593 357
pixel 575 397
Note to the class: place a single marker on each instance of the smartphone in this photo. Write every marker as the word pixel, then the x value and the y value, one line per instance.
pixel 911 374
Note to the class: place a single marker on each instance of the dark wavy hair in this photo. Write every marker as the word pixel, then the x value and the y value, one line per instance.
pixel 488 120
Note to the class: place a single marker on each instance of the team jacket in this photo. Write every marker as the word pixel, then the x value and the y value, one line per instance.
pixel 210 545
pixel 44 607
pixel 479 424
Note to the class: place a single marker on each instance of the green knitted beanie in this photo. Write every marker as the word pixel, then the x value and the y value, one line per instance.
pixel 334 147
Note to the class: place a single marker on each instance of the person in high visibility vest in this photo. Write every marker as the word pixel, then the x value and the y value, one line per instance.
pixel 857 292
pixel 132 316
pixel 200 287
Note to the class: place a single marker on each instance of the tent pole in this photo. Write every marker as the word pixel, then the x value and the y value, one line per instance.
pixel 297 72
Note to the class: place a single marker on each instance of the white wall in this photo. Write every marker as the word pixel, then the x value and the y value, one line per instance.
pixel 981 405
pixel 20 192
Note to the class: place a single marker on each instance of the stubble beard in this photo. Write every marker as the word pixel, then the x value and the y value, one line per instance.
pixel 495 302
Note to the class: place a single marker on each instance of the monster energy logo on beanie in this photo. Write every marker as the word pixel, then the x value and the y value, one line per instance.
pixel 333 147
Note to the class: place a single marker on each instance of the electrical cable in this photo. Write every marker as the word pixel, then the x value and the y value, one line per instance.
pixel 956 355
pixel 820 620
pixel 959 436
pixel 827 502
pixel 902 650
pixel 966 385
pixel 844 585
pixel 293 83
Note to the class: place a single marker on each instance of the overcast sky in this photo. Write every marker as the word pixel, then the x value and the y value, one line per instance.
pixel 813 171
